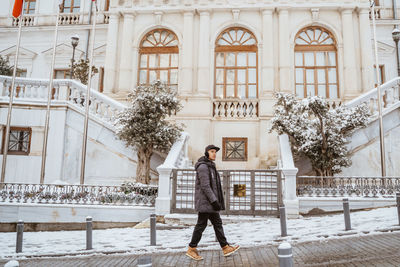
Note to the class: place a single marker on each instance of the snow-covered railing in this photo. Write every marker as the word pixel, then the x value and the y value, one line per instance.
pixel 339 186
pixel 389 93
pixel 64 91
pixel 225 108
pixel 177 156
pixel 78 194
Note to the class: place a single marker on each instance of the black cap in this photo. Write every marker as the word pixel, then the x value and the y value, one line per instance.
pixel 211 147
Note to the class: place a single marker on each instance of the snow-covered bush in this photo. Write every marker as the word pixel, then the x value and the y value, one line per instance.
pixel 144 125
pixel 318 131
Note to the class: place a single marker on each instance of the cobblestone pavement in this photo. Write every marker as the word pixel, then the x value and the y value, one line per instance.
pixel 370 250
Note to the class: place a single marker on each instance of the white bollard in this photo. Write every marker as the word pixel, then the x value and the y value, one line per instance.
pixel 12 264
pixel 285 255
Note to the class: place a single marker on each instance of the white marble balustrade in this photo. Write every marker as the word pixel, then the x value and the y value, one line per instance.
pixel 71 92
pixel 27 20
pixel 390 95
pixel 70 18
pixel 236 108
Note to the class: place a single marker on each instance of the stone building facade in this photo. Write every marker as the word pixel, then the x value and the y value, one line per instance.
pixel 226 58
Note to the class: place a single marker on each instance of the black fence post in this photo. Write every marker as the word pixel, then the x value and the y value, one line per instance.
pixel 20 234
pixel 89 230
pixel 282 211
pixel 152 230
pixel 346 211
pixel 398 206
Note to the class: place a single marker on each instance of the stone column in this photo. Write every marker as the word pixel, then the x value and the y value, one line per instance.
pixel 366 48
pixel 203 72
pixel 163 200
pixel 350 73
pixel 289 173
pixel 111 54
pixel 284 51
pixel 125 77
pixel 186 74
pixel 267 66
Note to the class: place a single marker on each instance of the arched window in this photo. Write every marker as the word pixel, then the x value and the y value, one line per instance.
pixel 236 64
pixel 316 63
pixel 158 58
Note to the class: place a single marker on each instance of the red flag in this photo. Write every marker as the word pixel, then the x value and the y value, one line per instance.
pixel 17 8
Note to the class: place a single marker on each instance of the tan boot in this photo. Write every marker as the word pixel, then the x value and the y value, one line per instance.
pixel 228 250
pixel 194 254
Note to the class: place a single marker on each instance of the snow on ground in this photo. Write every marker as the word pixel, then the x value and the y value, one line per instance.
pixel 246 233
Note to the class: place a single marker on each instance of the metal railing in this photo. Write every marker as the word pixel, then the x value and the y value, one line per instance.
pixel 315 186
pixel 130 194
pixel 246 192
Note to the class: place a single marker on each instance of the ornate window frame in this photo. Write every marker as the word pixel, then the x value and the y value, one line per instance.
pixel 316 63
pixel 24 130
pixel 159 53
pixel 236 50
pixel 227 152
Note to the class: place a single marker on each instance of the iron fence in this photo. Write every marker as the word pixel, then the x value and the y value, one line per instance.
pixel 128 194
pixel 246 192
pixel 340 186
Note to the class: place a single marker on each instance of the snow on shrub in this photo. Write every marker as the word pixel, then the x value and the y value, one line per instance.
pixel 318 131
pixel 144 125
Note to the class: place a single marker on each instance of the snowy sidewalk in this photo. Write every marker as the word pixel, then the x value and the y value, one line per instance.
pixel 370 250
pixel 259 232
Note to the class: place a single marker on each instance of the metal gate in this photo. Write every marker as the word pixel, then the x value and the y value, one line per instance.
pixel 246 192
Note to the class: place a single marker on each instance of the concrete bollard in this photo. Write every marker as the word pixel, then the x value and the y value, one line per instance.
pixel 282 211
pixel 285 255
pixel 152 230
pixel 20 234
pixel 346 212
pixel 398 206
pixel 89 230
pixel 144 261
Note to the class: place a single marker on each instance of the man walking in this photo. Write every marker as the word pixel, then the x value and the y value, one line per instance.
pixel 209 200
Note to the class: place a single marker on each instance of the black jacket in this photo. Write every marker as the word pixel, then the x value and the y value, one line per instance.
pixel 208 186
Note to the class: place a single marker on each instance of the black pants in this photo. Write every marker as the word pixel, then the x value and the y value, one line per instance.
pixel 201 226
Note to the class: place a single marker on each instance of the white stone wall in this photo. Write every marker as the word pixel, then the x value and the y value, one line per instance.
pixel 108 160
pixel 365 145
pixel 60 213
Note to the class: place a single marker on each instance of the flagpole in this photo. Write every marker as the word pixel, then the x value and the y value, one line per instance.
pixel 87 100
pixel 10 104
pixel 49 95
pixel 378 80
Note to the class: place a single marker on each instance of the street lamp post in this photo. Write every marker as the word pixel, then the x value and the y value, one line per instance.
pixel 74 43
pixel 396 38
